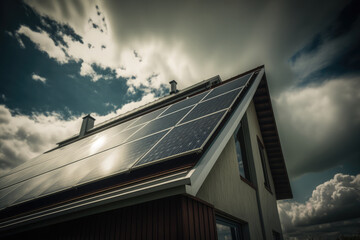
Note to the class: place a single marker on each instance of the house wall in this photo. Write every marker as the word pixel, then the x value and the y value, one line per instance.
pixel 225 189
pixel 176 217
pixel 267 199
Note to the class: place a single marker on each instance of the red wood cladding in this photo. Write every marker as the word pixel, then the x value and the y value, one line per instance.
pixel 176 217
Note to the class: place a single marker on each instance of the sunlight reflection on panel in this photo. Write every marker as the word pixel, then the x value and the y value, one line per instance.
pixel 97 144
pixel 108 163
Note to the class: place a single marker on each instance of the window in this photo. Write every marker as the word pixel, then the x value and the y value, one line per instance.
pixel 263 163
pixel 241 153
pixel 276 235
pixel 228 230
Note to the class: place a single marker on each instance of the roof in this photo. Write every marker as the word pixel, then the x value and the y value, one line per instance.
pixel 165 147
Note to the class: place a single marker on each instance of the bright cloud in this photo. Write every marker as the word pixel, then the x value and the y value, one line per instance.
pixel 23 137
pixel 335 200
pixel 87 70
pixel 38 78
pixel 44 43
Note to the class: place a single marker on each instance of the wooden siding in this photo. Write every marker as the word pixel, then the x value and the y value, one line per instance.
pixel 177 217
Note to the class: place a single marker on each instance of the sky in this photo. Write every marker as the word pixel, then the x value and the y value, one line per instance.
pixel 60 60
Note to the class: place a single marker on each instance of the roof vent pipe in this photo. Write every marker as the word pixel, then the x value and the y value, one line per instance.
pixel 87 124
pixel 173 84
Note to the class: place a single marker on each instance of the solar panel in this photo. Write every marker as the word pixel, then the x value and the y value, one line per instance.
pixel 149 116
pixel 93 145
pixel 160 124
pixel 57 152
pixel 185 103
pixel 240 82
pixel 183 139
pixel 104 164
pixel 212 105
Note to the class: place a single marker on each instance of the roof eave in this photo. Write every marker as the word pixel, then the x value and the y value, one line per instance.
pixel 270 135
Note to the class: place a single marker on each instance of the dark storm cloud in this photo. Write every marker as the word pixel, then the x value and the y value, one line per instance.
pixel 320 126
pixel 332 52
pixel 232 36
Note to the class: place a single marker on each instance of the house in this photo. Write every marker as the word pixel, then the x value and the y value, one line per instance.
pixel 204 162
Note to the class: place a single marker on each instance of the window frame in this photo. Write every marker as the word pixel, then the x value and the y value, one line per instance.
pixel 263 159
pixel 225 220
pixel 240 139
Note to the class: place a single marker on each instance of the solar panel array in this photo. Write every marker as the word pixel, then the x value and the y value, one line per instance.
pixel 178 129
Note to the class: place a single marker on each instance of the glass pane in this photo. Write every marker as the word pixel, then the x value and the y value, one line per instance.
pixel 227 229
pixel 241 153
pixel 224 232
pixel 239 158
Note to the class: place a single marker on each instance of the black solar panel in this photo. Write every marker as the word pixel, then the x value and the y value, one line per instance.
pixel 240 82
pixel 185 103
pixel 184 138
pixel 149 116
pixel 92 168
pixel 160 124
pixel 212 105
pixel 93 145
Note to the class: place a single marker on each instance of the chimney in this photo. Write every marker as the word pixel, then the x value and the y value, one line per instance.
pixel 87 124
pixel 173 87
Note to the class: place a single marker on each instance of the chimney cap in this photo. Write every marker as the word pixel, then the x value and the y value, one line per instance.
pixel 89 116
pixel 172 81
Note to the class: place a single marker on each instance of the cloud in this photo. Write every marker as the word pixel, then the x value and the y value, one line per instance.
pixel 328 47
pixel 321 125
pixel 23 137
pixel 87 70
pixel 331 202
pixel 38 78
pixel 44 43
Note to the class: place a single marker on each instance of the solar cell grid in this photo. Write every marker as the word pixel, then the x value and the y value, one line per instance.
pixel 212 105
pixel 184 138
pixel 185 103
pixel 149 116
pixel 160 124
pixel 240 82
pixel 94 145
pixel 122 158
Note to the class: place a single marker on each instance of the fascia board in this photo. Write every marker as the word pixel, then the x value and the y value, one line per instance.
pixel 201 170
